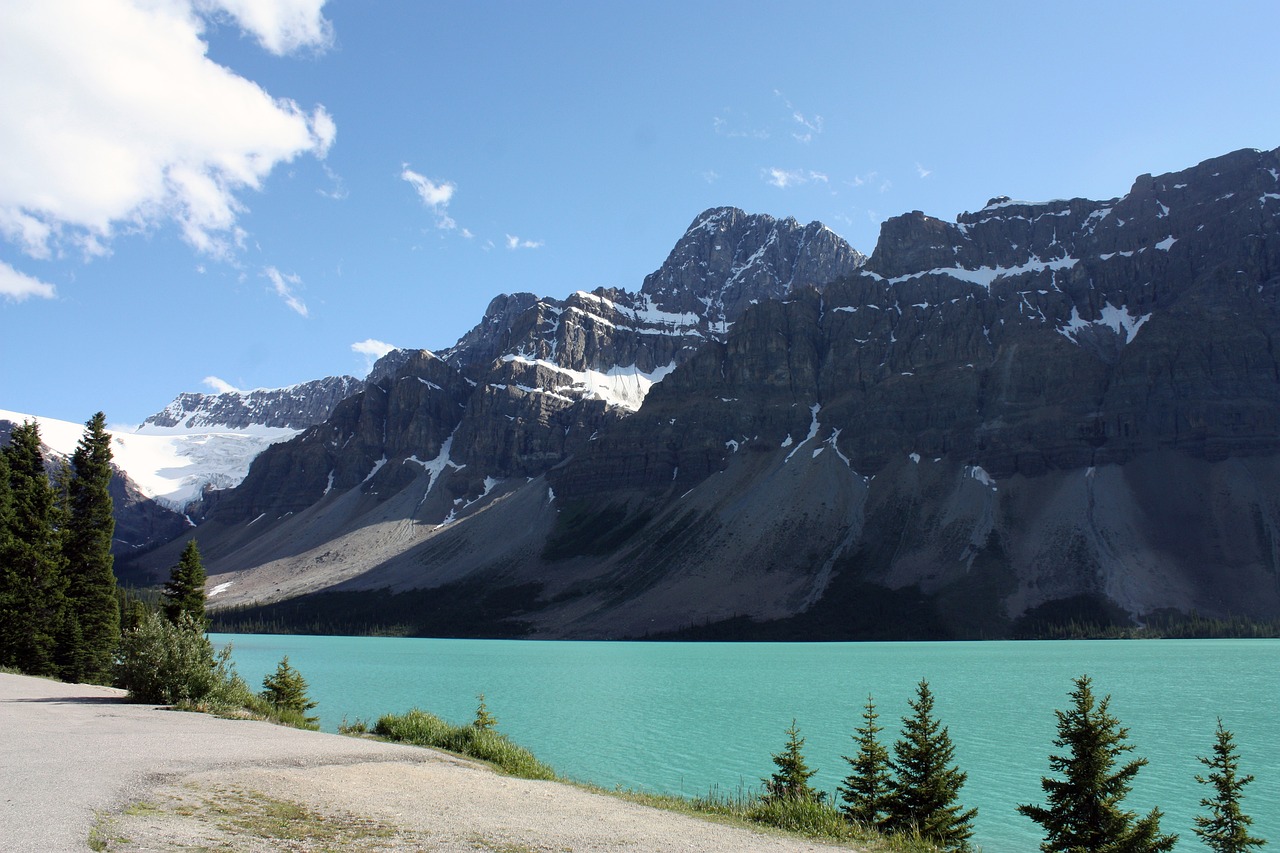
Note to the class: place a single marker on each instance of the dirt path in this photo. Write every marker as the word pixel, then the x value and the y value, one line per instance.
pixel 77 762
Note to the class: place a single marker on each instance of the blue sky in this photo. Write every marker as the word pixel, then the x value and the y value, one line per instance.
pixel 198 194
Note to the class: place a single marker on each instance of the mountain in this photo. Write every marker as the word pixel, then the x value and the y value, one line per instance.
pixel 198 443
pixel 1040 411
pixel 295 407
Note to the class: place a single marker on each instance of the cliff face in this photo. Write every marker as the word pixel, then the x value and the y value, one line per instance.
pixel 1069 403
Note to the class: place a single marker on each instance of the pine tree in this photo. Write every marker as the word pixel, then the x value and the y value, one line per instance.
pixel 184 591
pixel 484 721
pixel 286 689
pixel 1226 828
pixel 865 791
pixel 924 792
pixel 32 592
pixel 91 593
pixel 1084 809
pixel 791 780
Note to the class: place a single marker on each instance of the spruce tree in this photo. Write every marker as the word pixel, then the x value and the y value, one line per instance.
pixel 286 689
pixel 7 577
pixel 484 721
pixel 1226 828
pixel 34 584
pixel 91 592
pixel 791 780
pixel 865 791
pixel 184 591
pixel 1084 809
pixel 926 786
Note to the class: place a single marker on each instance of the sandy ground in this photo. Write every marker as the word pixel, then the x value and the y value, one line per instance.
pixel 77 764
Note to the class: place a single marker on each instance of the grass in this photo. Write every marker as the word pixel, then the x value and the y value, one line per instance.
pixel 419 728
pixel 224 818
pixel 812 819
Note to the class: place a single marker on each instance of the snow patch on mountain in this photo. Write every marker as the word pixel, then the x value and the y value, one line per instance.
pixel 625 387
pixel 1119 320
pixel 171 465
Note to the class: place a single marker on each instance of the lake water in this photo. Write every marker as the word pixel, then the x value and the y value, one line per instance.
pixel 686 717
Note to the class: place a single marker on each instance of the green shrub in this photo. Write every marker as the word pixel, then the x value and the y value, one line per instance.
pixel 167 663
pixel 416 727
pixel 419 728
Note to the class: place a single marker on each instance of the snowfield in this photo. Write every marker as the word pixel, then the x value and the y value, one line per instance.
pixel 171 465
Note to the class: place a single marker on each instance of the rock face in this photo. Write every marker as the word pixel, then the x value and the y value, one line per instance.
pixel 1039 410
pixel 295 407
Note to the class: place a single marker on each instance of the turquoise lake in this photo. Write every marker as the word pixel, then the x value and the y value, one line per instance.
pixel 688 717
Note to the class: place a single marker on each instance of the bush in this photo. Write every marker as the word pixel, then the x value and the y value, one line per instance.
pixel 419 728
pixel 167 663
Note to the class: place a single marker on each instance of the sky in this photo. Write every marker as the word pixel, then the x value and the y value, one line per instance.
pixel 201 195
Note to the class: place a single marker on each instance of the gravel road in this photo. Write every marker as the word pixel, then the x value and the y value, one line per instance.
pixel 76 760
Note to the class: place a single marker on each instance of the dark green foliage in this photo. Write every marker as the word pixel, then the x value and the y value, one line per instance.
pixel 464 609
pixel 791 780
pixel 865 791
pixel 32 581
pixel 167 662
pixel 184 591
pixel 286 690
pixel 1084 810
pixel 484 720
pixel 91 587
pixel 1226 828
pixel 926 786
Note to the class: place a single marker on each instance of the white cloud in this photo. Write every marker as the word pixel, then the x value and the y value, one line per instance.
pixel 435 195
pixel 128 123
pixel 924 173
pixel 281 26
pixel 783 178
pixel 514 242
pixel 283 285
pixel 710 176
pixel 220 386
pixel 372 347
pixel 372 350
pixel 17 287
pixel 432 194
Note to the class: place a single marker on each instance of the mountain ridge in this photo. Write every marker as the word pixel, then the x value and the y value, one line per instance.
pixel 1035 404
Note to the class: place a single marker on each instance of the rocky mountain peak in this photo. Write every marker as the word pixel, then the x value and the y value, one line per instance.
pixel 727 259
pixel 294 407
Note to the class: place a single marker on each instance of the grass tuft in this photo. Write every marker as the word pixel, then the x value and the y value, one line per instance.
pixel 419 728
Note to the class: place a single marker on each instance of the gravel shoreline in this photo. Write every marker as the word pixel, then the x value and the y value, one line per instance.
pixel 78 762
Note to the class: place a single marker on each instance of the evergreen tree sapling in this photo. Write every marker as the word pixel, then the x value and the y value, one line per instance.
pixel 91 592
pixel 791 780
pixel 1226 828
pixel 484 721
pixel 32 579
pixel 926 786
pixel 286 690
pixel 865 791
pixel 1084 809
pixel 184 591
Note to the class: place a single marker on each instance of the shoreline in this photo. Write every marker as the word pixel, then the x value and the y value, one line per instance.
pixel 84 765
